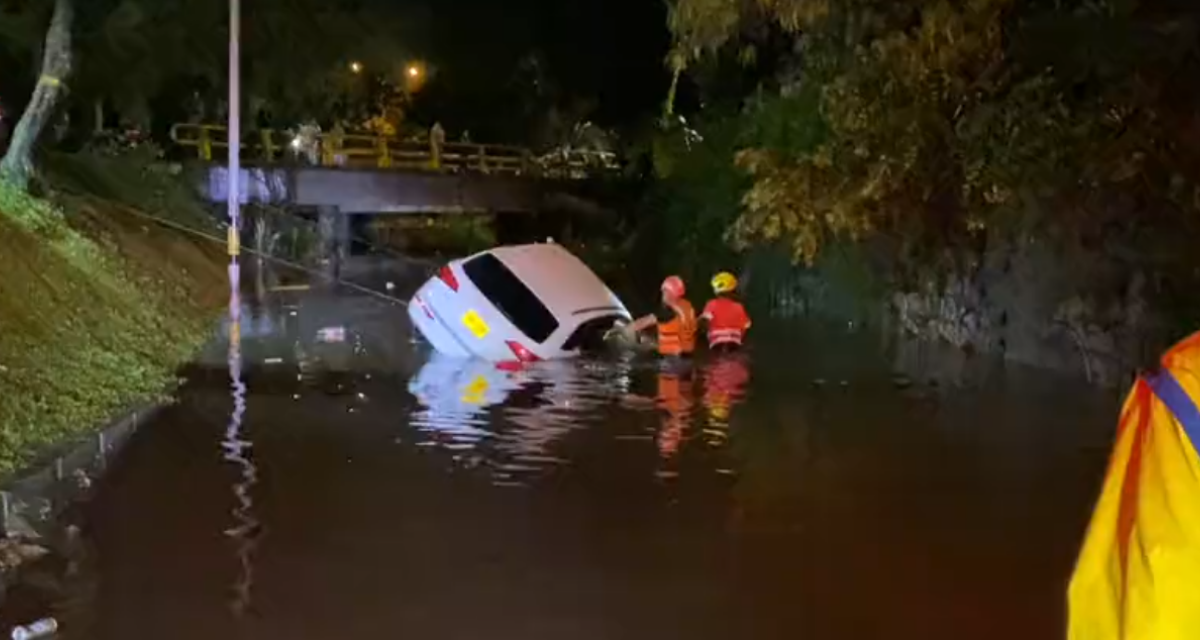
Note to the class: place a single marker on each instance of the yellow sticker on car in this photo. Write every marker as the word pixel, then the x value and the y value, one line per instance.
pixel 473 393
pixel 475 324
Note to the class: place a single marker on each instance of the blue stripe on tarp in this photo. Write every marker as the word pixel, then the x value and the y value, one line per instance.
pixel 1167 388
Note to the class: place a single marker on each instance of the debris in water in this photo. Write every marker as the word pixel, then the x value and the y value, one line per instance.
pixel 15 552
pixel 332 334
pixel 41 629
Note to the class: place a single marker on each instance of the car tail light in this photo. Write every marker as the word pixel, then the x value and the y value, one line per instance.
pixel 523 355
pixel 447 276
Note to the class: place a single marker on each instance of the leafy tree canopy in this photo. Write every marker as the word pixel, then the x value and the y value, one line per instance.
pixel 935 119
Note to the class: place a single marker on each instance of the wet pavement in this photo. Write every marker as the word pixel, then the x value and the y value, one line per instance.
pixel 804 490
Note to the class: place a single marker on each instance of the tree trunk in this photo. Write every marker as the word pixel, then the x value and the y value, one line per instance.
pixel 669 103
pixel 17 166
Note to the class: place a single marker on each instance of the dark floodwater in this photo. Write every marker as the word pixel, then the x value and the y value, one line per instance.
pixel 801 492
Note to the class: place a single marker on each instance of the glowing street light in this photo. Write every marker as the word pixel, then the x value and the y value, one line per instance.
pixel 415 76
pixel 356 67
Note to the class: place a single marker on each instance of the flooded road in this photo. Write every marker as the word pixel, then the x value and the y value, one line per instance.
pixel 803 491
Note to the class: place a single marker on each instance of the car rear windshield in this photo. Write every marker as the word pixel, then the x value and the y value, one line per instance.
pixel 511 297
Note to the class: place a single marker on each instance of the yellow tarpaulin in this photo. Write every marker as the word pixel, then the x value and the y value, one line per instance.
pixel 1138 574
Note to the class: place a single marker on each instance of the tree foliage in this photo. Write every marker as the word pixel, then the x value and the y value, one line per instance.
pixel 932 120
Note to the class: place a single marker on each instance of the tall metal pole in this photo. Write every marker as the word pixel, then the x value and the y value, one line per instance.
pixel 233 186
pixel 235 119
pixel 237 449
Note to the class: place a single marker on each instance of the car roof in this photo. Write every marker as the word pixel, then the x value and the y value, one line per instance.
pixel 561 280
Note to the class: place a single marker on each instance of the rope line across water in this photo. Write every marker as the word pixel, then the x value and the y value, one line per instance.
pixel 288 263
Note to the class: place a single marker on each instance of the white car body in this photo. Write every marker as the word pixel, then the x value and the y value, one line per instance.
pixel 540 301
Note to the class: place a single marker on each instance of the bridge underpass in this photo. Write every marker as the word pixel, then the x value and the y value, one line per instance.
pixel 380 176
pixel 336 196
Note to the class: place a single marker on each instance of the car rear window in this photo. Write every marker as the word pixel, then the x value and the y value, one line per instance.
pixel 505 290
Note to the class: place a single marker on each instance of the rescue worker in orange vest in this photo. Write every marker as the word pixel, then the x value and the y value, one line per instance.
pixel 726 317
pixel 676 323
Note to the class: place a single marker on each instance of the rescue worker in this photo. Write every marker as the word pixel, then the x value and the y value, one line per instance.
pixel 1137 572
pixel 676 323
pixel 726 317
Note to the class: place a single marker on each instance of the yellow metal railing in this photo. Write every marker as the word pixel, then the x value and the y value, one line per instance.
pixel 354 150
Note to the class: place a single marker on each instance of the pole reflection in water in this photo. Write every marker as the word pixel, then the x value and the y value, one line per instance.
pixel 237 451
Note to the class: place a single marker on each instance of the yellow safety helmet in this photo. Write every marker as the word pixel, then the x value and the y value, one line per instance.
pixel 724 282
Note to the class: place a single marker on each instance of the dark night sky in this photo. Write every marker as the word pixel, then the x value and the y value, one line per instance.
pixel 609 51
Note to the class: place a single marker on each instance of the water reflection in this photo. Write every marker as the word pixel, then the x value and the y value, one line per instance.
pixel 857 510
pixel 514 422
pixel 237 451
pixel 455 395
pixel 725 380
pixel 537 407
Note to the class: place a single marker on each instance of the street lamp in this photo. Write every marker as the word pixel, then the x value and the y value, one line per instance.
pixel 356 67
pixel 413 71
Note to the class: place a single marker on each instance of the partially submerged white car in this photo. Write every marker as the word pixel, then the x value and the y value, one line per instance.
pixel 516 303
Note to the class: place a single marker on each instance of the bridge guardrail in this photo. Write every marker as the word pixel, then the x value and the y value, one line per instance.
pixel 389 152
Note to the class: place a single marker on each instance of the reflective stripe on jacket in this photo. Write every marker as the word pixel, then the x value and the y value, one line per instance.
pixel 1137 572
pixel 727 321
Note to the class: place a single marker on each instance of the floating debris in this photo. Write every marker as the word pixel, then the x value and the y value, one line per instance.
pixel 15 552
pixel 43 628
pixel 332 334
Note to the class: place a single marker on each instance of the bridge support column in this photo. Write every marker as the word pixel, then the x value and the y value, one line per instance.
pixel 333 227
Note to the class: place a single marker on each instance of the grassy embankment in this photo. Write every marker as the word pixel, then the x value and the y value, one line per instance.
pixel 98 306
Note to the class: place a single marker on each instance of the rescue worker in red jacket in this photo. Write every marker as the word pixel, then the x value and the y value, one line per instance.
pixel 676 323
pixel 726 317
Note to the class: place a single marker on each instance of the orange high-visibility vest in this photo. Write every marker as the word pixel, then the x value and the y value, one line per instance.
pixel 677 336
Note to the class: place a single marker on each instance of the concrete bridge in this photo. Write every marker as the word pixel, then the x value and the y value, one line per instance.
pixel 341 175
pixel 374 191
pixel 367 174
